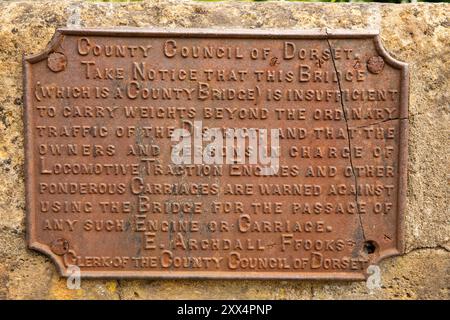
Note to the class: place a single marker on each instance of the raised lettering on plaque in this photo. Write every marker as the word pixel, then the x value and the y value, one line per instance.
pixel 216 154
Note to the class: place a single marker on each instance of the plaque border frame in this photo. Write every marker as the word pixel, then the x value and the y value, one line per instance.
pixel 313 34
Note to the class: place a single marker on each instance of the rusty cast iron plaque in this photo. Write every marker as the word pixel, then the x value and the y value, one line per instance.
pixel 215 154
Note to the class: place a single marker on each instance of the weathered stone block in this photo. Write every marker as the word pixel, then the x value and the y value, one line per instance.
pixel 418 34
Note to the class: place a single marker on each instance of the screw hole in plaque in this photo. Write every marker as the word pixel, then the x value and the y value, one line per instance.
pixel 370 247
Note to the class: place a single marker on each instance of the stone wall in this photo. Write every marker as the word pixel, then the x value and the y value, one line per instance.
pixel 418 34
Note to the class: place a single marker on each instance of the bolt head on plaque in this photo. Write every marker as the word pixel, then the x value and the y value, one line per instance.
pixel 59 246
pixel 56 61
pixel 375 64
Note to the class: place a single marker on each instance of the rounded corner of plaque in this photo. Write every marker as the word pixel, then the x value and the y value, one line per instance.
pixel 386 254
pixel 52 46
pixel 47 252
pixel 388 58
